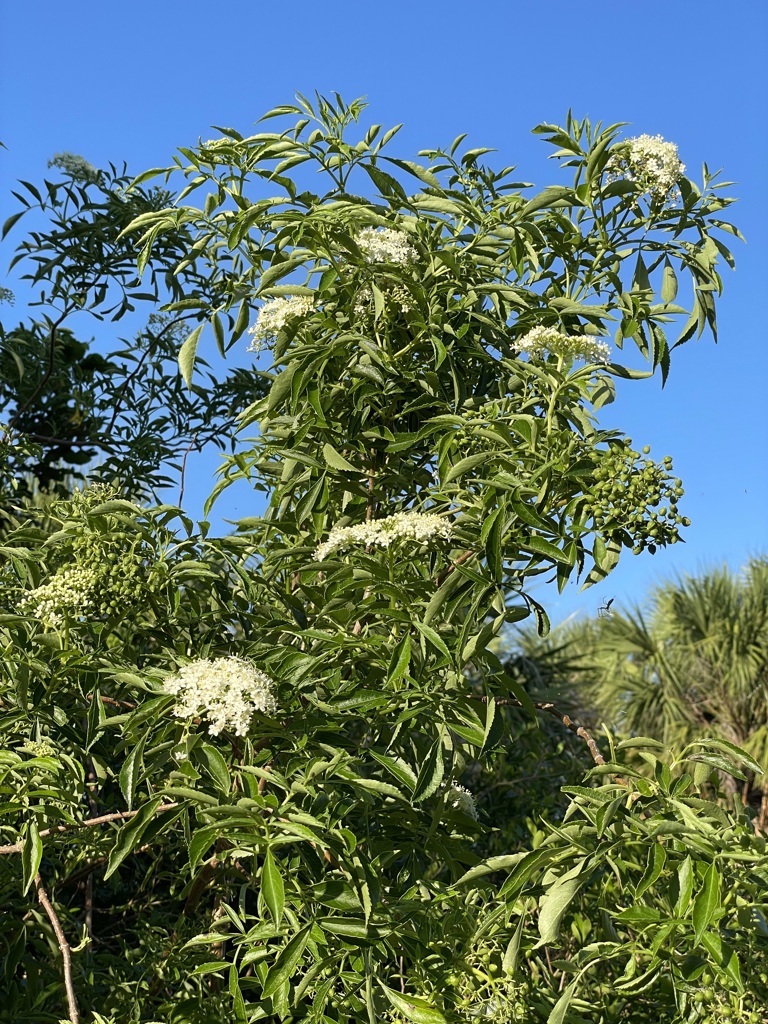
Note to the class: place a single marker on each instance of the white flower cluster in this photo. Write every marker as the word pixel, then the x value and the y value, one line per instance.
pixel 77 167
pixel 651 162
pixel 69 592
pixel 460 799
pixel 274 315
pixel 385 245
pixel 540 340
pixel 415 526
pixel 227 691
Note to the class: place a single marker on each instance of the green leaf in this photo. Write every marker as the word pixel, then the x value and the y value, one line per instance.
pixel 731 748
pixel 187 354
pixel 131 770
pixel 431 773
pixel 337 461
pixel 543 547
pixel 706 902
pixel 400 660
pixel 668 283
pixel 464 465
pixel 238 1003
pixel 684 887
pixel 657 858
pixel 216 764
pixel 9 224
pixel 560 1009
pixel 397 767
pixel 413 1007
pixel 556 900
pixel 129 835
pixel 434 638
pixel 273 888
pixel 31 855
pixel 724 957
pixel 284 967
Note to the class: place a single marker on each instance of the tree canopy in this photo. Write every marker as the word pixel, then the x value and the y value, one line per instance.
pixel 242 774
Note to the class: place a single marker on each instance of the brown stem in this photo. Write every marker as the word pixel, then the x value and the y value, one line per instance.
pixel 443 576
pixel 566 720
pixel 66 953
pixel 101 820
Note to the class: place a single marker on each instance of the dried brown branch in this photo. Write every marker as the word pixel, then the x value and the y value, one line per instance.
pixel 66 953
pixel 88 823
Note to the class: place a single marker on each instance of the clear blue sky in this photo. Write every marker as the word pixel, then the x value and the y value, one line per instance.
pixel 131 82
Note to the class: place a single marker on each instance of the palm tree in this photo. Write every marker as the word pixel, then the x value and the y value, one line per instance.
pixel 694 663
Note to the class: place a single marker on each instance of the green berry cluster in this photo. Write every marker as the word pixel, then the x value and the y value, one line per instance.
pixel 638 497
pixel 122 568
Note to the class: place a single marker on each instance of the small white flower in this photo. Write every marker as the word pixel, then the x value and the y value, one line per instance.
pixel 540 340
pixel 77 167
pixel 69 593
pixel 385 245
pixel 460 799
pixel 420 527
pixel 650 162
pixel 227 691
pixel 274 315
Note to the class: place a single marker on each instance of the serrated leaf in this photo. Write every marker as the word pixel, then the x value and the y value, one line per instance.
pixel 557 899
pixel 413 1008
pixel 400 660
pixel 706 902
pixel 216 765
pixel 684 887
pixel 657 858
pixel 284 967
pixel 31 855
pixel 129 835
pixel 337 461
pixel 130 772
pixel 431 773
pixel 273 888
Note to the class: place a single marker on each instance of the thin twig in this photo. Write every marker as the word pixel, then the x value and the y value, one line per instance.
pixel 102 820
pixel 46 376
pixel 66 954
pixel 566 720
pixel 439 580
pixel 187 450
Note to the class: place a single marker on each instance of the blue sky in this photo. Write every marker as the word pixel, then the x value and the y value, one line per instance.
pixel 132 82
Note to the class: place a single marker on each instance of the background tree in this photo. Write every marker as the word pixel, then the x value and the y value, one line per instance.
pixel 122 403
pixel 692 664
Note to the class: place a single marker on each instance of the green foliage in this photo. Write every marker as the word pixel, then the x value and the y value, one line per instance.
pixel 127 407
pixel 426 458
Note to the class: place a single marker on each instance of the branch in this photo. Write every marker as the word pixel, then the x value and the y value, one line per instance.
pixel 566 720
pixel 46 376
pixel 101 820
pixel 66 953
pixel 439 580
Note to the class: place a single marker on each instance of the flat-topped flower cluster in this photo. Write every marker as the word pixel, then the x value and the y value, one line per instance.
pixel 386 245
pixel 226 691
pixel 542 340
pixel 651 162
pixel 275 314
pixel 420 527
pixel 68 594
